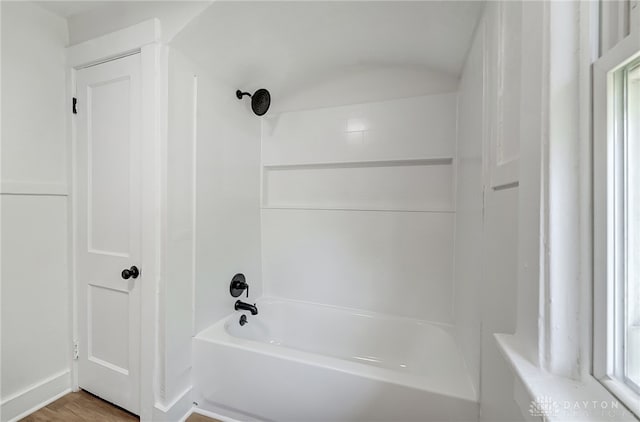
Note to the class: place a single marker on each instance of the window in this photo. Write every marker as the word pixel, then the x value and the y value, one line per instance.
pixel 624 226
pixel 616 345
pixel 630 230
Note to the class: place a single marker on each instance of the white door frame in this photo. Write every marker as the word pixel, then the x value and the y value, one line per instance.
pixel 143 38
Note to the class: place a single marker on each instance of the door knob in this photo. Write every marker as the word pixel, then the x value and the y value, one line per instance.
pixel 132 272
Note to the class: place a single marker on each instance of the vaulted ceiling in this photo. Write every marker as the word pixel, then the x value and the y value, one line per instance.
pixel 287 45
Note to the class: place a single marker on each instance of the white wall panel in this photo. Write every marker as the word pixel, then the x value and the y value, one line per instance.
pixel 469 208
pixel 410 128
pixel 358 205
pixel 228 199
pixel 35 309
pixel 34 145
pixel 489 254
pixel 213 212
pixel 391 262
pixel 178 260
pixel 366 84
pixel 504 41
pixel 36 342
pixel 213 219
pixel 498 298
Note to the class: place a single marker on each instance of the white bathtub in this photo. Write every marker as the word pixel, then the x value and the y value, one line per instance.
pixel 303 362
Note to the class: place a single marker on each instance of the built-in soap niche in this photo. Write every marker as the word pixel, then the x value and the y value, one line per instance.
pixel 388 185
pixel 394 155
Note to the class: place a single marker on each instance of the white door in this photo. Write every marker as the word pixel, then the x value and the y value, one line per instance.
pixel 108 161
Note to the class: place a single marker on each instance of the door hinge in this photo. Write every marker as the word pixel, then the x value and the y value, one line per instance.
pixel 76 350
pixel 74 105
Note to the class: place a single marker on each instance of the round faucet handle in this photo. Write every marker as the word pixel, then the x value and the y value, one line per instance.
pixel 243 320
pixel 238 285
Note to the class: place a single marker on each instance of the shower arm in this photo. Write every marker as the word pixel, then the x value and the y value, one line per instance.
pixel 240 94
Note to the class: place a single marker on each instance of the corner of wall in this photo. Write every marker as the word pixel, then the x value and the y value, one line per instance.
pixel 36 396
pixel 177 410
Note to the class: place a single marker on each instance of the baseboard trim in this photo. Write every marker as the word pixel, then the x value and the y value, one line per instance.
pixel 35 397
pixel 214 415
pixel 178 410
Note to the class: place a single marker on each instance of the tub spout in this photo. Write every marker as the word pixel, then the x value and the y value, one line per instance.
pixel 241 306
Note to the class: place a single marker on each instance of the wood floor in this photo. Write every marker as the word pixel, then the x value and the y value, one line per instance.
pixel 82 406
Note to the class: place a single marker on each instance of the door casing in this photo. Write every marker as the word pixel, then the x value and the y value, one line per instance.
pixel 142 38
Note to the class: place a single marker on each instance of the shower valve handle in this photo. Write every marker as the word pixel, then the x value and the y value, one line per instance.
pixel 238 285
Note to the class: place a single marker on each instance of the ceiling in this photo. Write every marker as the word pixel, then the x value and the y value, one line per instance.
pixel 89 19
pixel 66 9
pixel 289 45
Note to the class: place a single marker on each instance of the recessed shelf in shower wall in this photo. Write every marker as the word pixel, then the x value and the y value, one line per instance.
pixel 422 184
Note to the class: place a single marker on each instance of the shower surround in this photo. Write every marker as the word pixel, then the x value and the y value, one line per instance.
pixel 358 207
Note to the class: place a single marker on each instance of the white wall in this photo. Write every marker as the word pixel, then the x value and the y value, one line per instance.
pixel 33 95
pixel 213 217
pixel 178 257
pixel 500 234
pixel 469 208
pixel 35 311
pixel 227 177
pixel 358 205
pixel 498 299
pixel 496 231
pixel 111 16
pixel 365 84
pixel 228 199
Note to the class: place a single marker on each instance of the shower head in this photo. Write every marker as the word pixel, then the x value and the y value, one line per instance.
pixel 260 100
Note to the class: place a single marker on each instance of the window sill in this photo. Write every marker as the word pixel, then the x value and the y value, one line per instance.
pixel 559 398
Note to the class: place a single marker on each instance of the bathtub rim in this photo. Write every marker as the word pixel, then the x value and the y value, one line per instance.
pixel 218 334
pixel 449 327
